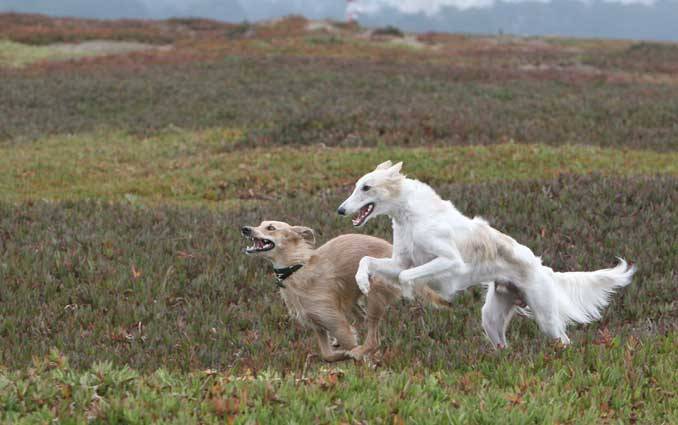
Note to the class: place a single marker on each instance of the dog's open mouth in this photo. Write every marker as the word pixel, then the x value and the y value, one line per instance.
pixel 362 214
pixel 260 245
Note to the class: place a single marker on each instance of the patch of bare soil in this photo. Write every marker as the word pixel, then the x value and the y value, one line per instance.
pixel 103 47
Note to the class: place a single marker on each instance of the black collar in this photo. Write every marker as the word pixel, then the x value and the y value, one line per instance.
pixel 284 273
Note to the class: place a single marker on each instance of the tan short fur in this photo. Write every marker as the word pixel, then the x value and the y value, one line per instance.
pixel 323 294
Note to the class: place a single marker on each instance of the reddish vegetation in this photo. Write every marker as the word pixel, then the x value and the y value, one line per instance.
pixel 40 29
pixel 490 58
pixel 640 57
pixel 395 88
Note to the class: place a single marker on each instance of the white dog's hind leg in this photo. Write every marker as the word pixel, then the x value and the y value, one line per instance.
pixel 542 297
pixel 497 313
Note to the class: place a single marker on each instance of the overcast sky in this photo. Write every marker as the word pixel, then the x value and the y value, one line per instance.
pixel 636 19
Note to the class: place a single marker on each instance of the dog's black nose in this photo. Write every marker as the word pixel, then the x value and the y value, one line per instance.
pixel 341 211
pixel 246 231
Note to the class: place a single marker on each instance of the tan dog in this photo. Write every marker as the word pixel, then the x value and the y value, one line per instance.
pixel 319 287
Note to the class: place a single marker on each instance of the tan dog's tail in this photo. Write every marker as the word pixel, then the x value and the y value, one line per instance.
pixel 432 297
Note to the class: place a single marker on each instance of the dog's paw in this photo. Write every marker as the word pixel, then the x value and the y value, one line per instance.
pixel 363 283
pixel 362 278
pixel 406 285
pixel 360 352
pixel 403 278
pixel 407 290
pixel 356 354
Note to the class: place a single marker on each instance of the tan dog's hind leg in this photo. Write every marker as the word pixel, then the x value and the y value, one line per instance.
pixel 341 330
pixel 378 299
pixel 327 352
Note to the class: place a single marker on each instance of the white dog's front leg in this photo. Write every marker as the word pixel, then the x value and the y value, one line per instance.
pixel 435 270
pixel 369 266
pixel 362 276
pixel 407 290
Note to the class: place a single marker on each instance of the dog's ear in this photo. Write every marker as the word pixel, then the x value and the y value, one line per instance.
pixel 384 165
pixel 395 170
pixel 305 232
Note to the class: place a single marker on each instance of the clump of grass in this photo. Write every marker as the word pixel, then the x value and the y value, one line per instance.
pixel 326 39
pixel 388 31
pixel 638 57
pixel 17 54
pixel 244 29
pixel 20 55
pixel 198 24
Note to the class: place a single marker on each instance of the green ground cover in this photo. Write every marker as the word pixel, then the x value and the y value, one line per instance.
pixel 124 294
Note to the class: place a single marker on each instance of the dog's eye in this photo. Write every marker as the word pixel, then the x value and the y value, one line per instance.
pixel 271 228
pixel 366 187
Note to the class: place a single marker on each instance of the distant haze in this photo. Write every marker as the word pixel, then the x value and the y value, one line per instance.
pixel 634 19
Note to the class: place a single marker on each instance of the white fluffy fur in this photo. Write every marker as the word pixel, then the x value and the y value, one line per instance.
pixel 435 244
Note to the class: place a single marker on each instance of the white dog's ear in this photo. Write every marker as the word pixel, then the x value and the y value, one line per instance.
pixel 384 165
pixel 305 232
pixel 396 168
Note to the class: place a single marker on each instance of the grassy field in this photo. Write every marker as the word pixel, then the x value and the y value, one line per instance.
pixel 124 178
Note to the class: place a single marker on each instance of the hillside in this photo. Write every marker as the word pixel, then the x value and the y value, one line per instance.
pixel 132 151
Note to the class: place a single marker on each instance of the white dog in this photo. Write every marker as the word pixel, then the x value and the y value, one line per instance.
pixel 434 244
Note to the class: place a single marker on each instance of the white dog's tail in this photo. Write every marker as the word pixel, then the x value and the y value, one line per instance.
pixel 587 293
